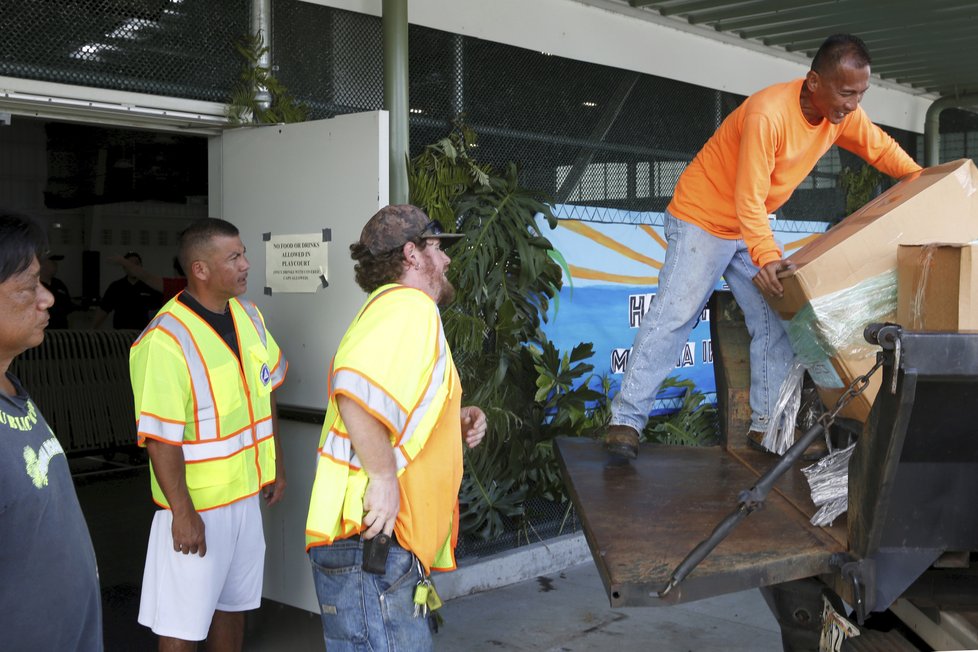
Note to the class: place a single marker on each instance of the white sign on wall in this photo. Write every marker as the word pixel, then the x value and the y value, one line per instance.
pixel 296 263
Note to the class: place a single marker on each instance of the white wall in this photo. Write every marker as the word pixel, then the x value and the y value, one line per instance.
pixel 613 34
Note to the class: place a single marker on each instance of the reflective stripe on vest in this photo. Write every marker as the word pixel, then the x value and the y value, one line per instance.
pixel 203 395
pixel 202 451
pixel 277 371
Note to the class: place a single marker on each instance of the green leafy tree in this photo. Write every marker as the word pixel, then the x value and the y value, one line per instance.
pixel 244 107
pixel 860 185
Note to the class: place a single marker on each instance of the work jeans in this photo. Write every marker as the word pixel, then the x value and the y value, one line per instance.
pixel 362 611
pixel 695 261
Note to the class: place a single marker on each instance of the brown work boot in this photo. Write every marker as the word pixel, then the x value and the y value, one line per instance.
pixel 621 441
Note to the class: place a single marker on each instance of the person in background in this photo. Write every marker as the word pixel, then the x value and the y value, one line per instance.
pixel 63 305
pixel 169 286
pixel 49 596
pixel 132 301
pixel 717 226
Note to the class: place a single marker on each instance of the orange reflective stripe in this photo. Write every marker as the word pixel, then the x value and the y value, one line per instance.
pixel 195 362
pixel 337 448
pixel 279 371
pixel 371 396
pixel 255 317
pixel 435 382
pixel 204 451
pixel 150 425
pixel 171 326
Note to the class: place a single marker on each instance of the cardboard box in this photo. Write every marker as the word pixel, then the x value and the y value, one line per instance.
pixel 847 278
pixel 936 286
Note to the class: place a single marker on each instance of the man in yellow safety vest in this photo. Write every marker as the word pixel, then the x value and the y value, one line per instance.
pixel 203 373
pixel 384 506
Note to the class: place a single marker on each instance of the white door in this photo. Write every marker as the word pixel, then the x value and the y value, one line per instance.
pixel 297 179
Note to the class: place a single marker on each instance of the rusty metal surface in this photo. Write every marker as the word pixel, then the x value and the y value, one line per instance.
pixel 794 488
pixel 641 519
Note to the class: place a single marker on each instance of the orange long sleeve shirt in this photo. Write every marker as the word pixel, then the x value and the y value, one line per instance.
pixel 755 160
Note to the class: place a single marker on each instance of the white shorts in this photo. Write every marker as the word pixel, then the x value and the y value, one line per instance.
pixel 180 592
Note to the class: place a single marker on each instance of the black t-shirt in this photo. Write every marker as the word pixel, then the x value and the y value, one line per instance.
pixel 63 305
pixel 49 593
pixel 133 304
pixel 222 323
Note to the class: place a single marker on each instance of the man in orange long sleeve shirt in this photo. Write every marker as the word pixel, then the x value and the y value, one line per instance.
pixel 717 225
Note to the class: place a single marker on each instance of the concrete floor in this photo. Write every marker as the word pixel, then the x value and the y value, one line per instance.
pixel 561 611
pixel 569 611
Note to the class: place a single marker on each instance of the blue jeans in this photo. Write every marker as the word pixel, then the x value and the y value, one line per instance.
pixel 362 611
pixel 695 261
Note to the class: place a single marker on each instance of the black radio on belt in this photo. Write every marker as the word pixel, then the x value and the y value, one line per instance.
pixel 375 554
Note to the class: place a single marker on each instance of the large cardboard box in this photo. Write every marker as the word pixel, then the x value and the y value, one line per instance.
pixel 936 285
pixel 847 278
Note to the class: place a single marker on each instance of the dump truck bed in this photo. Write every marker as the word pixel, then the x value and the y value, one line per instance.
pixel 642 518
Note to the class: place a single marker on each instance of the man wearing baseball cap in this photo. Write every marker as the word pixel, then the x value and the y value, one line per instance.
pixel 384 506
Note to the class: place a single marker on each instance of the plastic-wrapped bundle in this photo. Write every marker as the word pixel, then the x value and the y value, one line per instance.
pixel 833 324
pixel 780 434
pixel 829 482
pixel 831 510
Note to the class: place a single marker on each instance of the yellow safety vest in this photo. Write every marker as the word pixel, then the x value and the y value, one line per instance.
pixel 394 361
pixel 191 390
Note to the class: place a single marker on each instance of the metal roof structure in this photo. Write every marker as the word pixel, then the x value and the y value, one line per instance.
pixel 926 47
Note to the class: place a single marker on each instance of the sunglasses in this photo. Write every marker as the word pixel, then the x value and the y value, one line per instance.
pixel 432 229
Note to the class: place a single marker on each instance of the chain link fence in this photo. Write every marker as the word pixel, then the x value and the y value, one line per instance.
pixel 178 48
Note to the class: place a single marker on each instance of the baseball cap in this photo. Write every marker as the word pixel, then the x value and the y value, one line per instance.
pixel 393 226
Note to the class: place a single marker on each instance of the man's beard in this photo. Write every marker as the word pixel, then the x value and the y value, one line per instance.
pixel 447 293
pixel 440 282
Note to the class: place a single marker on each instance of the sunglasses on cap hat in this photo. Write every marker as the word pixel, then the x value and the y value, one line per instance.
pixel 434 230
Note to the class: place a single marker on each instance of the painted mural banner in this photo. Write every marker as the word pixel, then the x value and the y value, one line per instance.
pixel 613 278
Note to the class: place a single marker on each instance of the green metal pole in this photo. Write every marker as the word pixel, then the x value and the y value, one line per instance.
pixel 395 26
